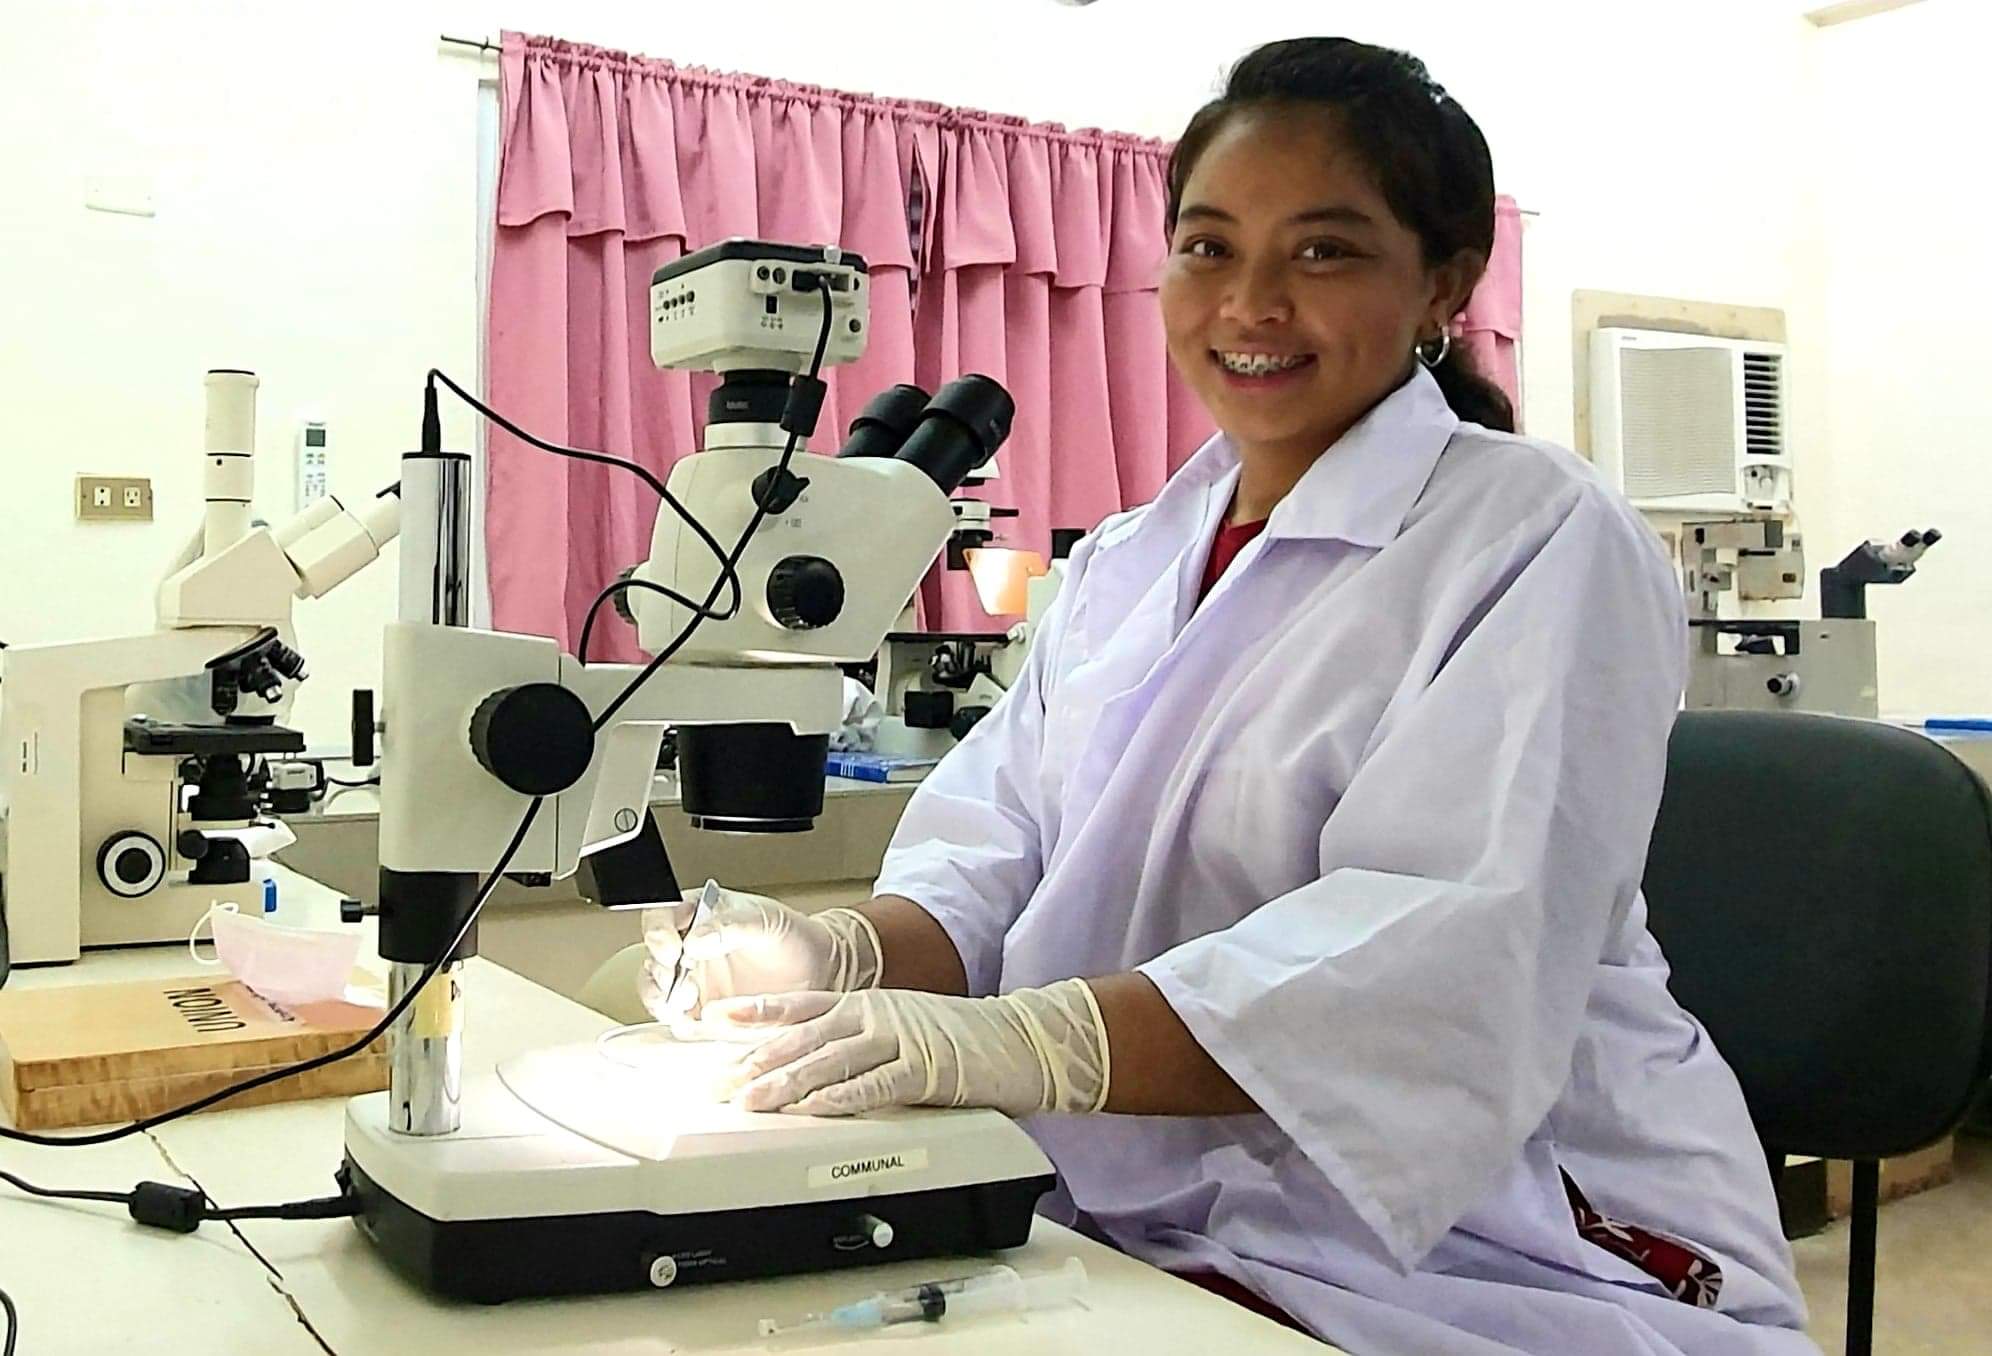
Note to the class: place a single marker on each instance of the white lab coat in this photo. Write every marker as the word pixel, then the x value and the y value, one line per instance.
pixel 1373 818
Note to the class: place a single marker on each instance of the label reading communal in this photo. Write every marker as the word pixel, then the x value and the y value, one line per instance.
pixel 854 1170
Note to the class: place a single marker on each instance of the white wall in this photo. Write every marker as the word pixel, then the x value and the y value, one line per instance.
pixel 314 168
pixel 1907 295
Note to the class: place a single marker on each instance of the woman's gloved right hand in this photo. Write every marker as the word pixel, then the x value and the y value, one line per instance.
pixel 742 945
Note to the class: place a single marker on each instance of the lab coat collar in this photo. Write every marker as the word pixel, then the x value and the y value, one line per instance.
pixel 1361 489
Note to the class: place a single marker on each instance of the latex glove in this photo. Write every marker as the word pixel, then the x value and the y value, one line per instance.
pixel 1032 1051
pixel 748 944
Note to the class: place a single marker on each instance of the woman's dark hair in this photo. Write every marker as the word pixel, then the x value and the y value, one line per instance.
pixel 1425 154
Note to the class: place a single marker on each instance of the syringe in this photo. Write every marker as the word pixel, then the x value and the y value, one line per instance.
pixel 997 1290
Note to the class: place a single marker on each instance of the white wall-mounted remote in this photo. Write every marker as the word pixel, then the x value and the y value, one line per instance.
pixel 314 443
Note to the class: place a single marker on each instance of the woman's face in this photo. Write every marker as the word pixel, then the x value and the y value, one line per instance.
pixel 1292 296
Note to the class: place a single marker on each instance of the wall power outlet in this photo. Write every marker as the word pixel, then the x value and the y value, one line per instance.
pixel 113 499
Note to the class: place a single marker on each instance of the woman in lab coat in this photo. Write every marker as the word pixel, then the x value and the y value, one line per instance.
pixel 1293 890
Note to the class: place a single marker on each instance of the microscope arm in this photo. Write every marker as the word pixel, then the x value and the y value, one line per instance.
pixel 475 723
pixel 609 805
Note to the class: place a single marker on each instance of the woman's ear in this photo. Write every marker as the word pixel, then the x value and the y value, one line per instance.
pixel 1452 283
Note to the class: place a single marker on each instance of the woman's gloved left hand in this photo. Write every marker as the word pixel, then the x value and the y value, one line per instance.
pixel 1032 1051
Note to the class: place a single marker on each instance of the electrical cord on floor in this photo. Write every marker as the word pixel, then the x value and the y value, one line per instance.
pixel 13 1323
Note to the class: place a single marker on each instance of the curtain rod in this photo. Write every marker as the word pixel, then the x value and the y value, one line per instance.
pixel 482 45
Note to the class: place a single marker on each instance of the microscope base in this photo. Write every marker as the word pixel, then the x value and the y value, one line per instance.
pixel 639 1185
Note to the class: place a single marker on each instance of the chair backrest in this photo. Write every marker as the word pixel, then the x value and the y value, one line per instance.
pixel 1822 889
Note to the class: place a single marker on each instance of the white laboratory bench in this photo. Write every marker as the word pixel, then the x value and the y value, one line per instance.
pixel 87 1280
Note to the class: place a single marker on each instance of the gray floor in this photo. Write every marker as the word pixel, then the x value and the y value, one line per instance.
pixel 1934 1269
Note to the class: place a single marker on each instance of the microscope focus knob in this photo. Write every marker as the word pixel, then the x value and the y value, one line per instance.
pixel 537 738
pixel 131 864
pixel 805 592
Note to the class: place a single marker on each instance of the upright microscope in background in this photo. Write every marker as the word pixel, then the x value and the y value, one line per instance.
pixel 140 775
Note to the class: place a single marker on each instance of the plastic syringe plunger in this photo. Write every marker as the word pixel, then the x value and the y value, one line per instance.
pixel 998 1290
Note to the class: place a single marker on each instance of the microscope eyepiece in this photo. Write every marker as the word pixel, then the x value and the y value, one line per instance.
pixel 961 428
pixel 885 422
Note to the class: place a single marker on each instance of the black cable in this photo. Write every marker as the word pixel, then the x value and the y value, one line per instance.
pixel 739 547
pixel 181 1209
pixel 623 586
pixel 13 1323
pixel 52 1194
pixel 641 472
pixel 352 786
pixel 319 1207
pixel 264 1080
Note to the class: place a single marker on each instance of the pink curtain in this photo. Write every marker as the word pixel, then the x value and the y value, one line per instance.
pixel 1491 324
pixel 1037 250
pixel 610 167
pixel 1046 252
pixel 1019 250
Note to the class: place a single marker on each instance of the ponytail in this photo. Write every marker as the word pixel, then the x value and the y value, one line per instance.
pixel 1474 398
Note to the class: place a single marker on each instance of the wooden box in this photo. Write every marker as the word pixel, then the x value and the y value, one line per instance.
pixel 1813 1193
pixel 90 1054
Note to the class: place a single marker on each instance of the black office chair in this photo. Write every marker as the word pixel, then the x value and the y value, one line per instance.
pixel 1823 891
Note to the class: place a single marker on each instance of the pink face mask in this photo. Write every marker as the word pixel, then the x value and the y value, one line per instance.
pixel 284 965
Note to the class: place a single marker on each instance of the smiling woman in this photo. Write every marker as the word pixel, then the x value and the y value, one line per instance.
pixel 1328 217
pixel 1305 898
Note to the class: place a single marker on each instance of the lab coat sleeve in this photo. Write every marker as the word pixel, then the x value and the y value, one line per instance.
pixel 1409 1017
pixel 969 848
